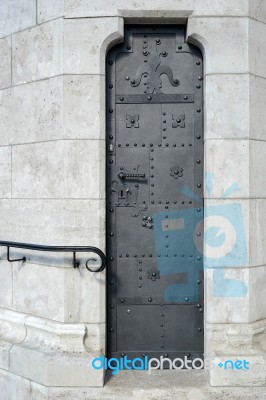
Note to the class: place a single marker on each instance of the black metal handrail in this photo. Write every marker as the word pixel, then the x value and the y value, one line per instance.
pixel 65 249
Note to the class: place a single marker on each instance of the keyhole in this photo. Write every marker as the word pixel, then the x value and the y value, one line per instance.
pixel 122 193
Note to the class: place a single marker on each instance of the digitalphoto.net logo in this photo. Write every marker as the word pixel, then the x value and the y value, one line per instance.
pixel 215 235
pixel 139 364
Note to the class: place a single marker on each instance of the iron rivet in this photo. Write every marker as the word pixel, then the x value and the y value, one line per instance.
pixel 188 354
pixel 199 329
pixel 162 345
pixel 198 161
pixel 198 86
pixel 140 286
pixel 120 255
pixel 198 137
pixel 198 209
pixel 110 110
pixel 111 258
pixel 150 299
pixel 149 97
pixel 186 298
pixel 110 62
pixel 199 185
pixel 166 144
pixel 111 329
pixel 122 300
pixel 182 145
pixel 198 110
pixel 164 53
pixel 179 47
pixel 133 82
pixel 166 355
pixel 129 47
pixel 111 234
pixel 198 258
pixel 127 255
pixel 162 335
pixel 200 310
pixel 111 86
pixel 198 234
pixel 158 41
pixel 111 282
pixel 185 97
pixel 111 137
pixel 182 255
pixel 198 282
pixel 198 62
pixel 200 78
pixel 111 306
pixel 135 144
pixel 152 202
pixel 111 210
pixel 122 98
pixel 127 78
pixel 129 311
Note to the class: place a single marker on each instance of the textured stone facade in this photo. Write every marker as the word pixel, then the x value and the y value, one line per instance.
pixel 52 178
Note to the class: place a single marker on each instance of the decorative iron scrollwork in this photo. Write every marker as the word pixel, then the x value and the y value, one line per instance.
pixel 152 72
pixel 179 120
pixel 132 121
pixel 176 172
pixel 153 274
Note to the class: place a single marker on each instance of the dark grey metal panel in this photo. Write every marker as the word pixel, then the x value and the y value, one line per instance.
pixel 154 189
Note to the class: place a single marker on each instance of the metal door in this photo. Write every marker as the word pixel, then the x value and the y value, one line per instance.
pixel 154 194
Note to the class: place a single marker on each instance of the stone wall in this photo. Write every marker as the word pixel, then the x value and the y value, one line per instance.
pixel 52 183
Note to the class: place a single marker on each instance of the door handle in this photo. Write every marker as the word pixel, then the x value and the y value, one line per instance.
pixel 123 175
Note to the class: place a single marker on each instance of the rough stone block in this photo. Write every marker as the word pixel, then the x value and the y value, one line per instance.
pixel 48 10
pixel 257 164
pixel 39 291
pixel 143 8
pixel 37 53
pixel 55 369
pixel 257 105
pixel 223 297
pixel 53 222
pixel 86 41
pixel 225 8
pixel 16 15
pixel 257 234
pixel 5 172
pixel 6 281
pixel 257 290
pixel 213 34
pixel 223 159
pixel 14 387
pixel 84 107
pixel 38 114
pixel 227 106
pixel 5 62
pixel 257 10
pixel 257 48
pixel 89 305
pixel 61 169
